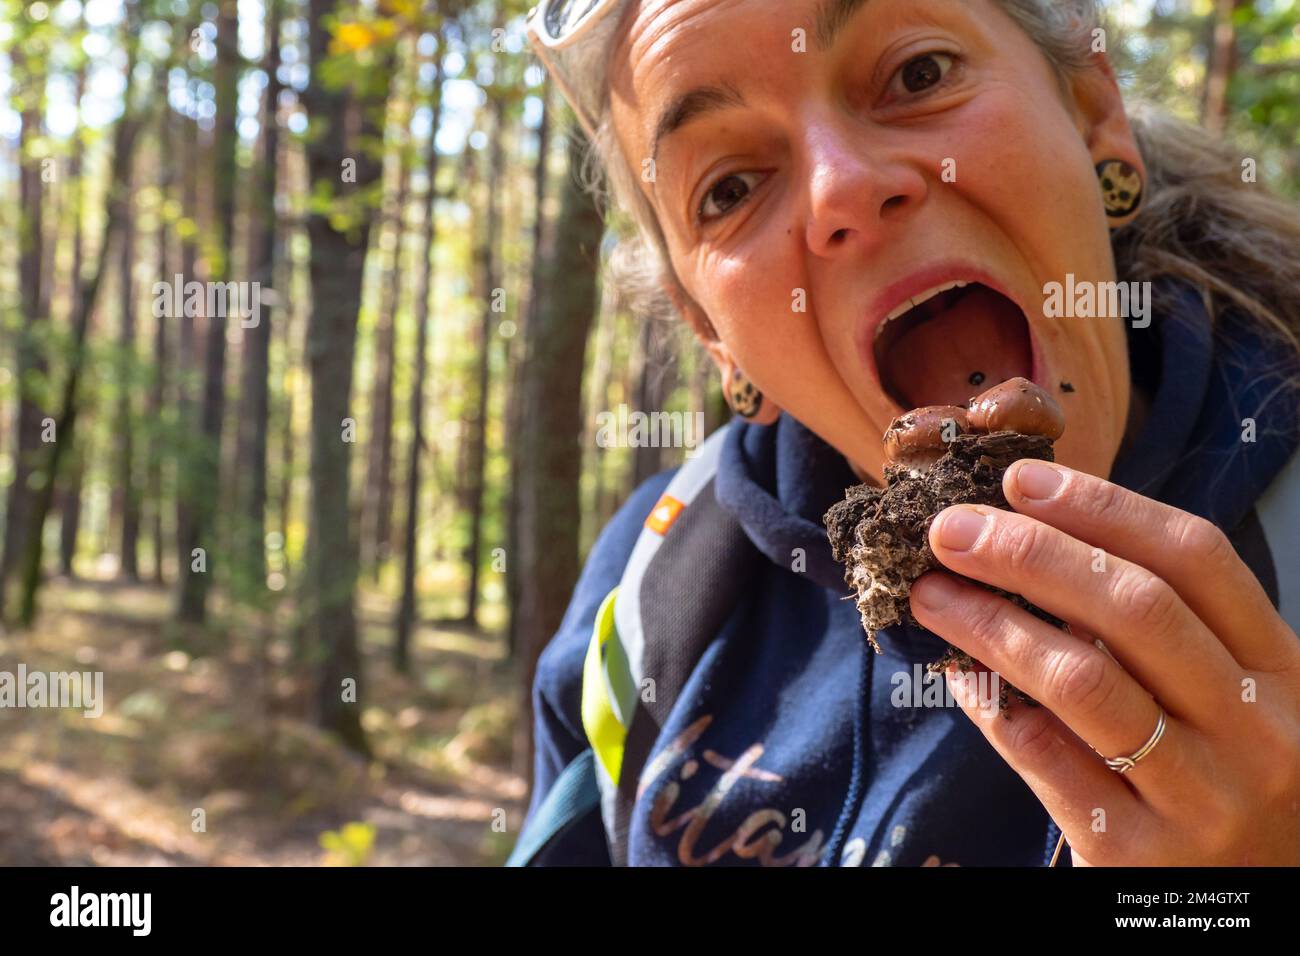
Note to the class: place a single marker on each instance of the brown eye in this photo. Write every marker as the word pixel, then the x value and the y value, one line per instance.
pixel 924 72
pixel 726 194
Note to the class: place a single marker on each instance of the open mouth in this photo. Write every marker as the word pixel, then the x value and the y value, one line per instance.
pixel 948 344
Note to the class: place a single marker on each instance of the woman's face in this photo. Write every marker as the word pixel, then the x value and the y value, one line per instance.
pixel 819 163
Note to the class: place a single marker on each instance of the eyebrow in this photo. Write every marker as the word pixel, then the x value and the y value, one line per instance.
pixel 692 105
pixel 832 15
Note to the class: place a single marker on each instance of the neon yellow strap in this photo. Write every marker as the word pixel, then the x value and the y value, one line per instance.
pixel 599 720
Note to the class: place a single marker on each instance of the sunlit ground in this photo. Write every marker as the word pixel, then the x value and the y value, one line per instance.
pixel 218 723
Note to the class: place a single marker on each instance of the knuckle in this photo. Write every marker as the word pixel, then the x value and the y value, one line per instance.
pixel 1027 545
pixel 985 615
pixel 1146 602
pixel 1202 541
pixel 1035 739
pixel 1082 681
pixel 1106 500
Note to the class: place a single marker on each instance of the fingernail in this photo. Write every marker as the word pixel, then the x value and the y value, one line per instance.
pixel 1038 481
pixel 959 528
pixel 936 591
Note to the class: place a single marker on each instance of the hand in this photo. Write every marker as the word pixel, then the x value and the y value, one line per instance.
pixel 1191 630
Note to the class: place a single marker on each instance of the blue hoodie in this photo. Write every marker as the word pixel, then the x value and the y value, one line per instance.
pixel 798 745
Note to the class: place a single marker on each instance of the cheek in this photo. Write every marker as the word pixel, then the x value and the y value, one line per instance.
pixel 1095 361
pixel 1044 197
pixel 1047 201
pixel 750 297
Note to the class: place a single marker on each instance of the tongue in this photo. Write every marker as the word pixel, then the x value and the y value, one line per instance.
pixel 940 360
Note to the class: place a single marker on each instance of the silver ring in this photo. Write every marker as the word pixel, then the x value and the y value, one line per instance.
pixel 1125 764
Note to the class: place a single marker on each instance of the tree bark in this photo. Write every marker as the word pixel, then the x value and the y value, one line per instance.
pixel 31 364
pixel 1222 65
pixel 202 486
pixel 157 399
pixel 187 359
pixel 70 489
pixel 251 461
pixel 128 498
pixel 376 528
pixel 516 390
pixel 551 433
pixel 423 286
pixel 124 139
pixel 489 282
pixel 341 120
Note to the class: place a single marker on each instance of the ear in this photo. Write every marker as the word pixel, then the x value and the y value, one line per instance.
pixel 742 396
pixel 1104 126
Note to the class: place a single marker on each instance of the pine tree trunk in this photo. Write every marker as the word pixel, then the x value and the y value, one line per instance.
pixel 340 123
pixel 70 486
pixel 517 382
pixel 187 359
pixel 1222 65
pixel 204 485
pixel 377 507
pixel 31 365
pixel 157 400
pixel 477 464
pixel 423 285
pixel 125 133
pixel 128 498
pixel 550 436
pixel 598 401
pixel 251 464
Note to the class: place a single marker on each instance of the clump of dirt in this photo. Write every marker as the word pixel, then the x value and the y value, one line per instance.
pixel 881 536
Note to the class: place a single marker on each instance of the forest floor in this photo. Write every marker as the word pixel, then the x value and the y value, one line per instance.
pixel 204 755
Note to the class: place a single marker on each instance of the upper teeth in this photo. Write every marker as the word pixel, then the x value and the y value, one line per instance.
pixel 907 305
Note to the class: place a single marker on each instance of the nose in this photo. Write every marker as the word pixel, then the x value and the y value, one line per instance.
pixel 858 191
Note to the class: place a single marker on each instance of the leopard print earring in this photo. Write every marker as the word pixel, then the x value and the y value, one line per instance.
pixel 1121 187
pixel 743 396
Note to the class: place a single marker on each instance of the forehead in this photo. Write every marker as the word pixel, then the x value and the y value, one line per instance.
pixel 664 45
pixel 649 25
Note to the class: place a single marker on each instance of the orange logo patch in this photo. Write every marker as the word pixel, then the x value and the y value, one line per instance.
pixel 663 515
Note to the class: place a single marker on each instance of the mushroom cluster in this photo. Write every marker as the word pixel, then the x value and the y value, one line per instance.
pixel 936 456
pixel 918 439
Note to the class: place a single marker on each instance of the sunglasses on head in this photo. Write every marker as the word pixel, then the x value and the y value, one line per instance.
pixel 555 28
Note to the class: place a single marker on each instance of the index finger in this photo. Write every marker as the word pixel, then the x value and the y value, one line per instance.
pixel 1188 552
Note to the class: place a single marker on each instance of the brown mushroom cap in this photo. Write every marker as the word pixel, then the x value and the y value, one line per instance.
pixel 917 438
pixel 1017 405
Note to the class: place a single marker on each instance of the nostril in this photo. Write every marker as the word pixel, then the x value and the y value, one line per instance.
pixel 892 203
pixel 838 236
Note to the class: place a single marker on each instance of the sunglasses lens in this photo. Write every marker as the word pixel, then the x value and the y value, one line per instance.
pixel 564 16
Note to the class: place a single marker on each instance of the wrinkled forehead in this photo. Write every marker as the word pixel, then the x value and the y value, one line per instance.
pixel 663 44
